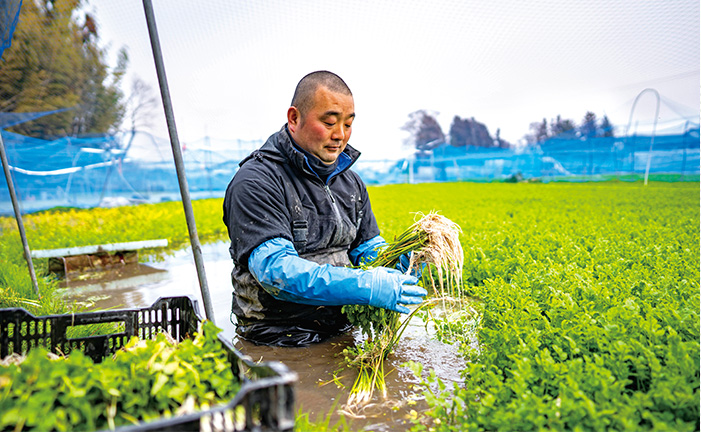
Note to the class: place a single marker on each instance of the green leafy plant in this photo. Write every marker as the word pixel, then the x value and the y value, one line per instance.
pixel 143 381
pixel 589 295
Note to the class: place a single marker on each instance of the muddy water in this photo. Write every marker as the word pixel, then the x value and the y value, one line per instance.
pixel 323 386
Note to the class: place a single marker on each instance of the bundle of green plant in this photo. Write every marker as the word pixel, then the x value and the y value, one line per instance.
pixel 146 380
pixel 433 245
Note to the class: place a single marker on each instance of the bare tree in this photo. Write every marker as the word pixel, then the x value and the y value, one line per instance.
pixel 606 128
pixel 588 128
pixel 563 128
pixel 141 105
pixel 539 132
pixel 501 143
pixel 424 131
pixel 140 108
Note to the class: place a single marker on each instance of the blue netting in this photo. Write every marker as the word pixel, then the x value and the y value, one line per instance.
pixel 126 168
pixel 9 14
pixel 113 169
pixel 9 119
pixel 557 159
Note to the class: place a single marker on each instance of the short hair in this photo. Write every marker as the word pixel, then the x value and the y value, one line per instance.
pixel 304 93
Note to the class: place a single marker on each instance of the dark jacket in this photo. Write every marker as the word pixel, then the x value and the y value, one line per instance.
pixel 276 194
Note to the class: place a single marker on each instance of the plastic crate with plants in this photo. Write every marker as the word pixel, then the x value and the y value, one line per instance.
pixel 148 369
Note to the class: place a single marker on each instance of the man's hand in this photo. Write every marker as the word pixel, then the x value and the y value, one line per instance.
pixel 391 290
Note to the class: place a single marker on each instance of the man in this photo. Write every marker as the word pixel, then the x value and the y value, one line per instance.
pixel 297 217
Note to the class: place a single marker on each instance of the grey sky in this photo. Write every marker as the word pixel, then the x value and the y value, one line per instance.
pixel 232 65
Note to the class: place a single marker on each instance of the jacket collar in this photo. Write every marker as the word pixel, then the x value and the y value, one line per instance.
pixel 279 148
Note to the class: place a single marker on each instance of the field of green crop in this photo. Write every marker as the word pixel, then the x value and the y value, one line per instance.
pixel 589 295
pixel 590 303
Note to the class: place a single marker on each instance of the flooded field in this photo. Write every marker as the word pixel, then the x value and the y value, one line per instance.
pixel 323 386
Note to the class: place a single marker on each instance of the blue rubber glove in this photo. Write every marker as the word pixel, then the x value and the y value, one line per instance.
pixel 366 252
pixel 281 272
pixel 391 289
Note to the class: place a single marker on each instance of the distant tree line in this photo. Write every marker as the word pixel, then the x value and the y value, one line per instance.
pixel 470 132
pixel 561 128
pixel 425 132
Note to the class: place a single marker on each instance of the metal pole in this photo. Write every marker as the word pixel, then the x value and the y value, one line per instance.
pixel 684 142
pixel 654 126
pixel 652 139
pixel 18 217
pixel 178 157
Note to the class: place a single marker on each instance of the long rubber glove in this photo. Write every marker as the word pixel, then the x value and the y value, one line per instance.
pixel 278 268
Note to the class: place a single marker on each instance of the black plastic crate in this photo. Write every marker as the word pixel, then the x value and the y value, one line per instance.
pixel 265 401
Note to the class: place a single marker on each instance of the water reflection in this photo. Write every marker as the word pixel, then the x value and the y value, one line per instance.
pixel 323 386
pixel 174 276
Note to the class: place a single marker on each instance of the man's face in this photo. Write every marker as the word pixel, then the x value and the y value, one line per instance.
pixel 325 129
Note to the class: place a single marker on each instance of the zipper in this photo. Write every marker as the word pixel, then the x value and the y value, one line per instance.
pixel 333 204
pixel 328 191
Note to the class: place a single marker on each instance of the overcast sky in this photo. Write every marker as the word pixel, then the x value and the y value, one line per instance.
pixel 232 65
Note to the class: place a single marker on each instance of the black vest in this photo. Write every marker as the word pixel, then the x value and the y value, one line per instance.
pixel 274 194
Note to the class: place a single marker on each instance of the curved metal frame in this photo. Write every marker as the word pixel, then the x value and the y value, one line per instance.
pixel 654 126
